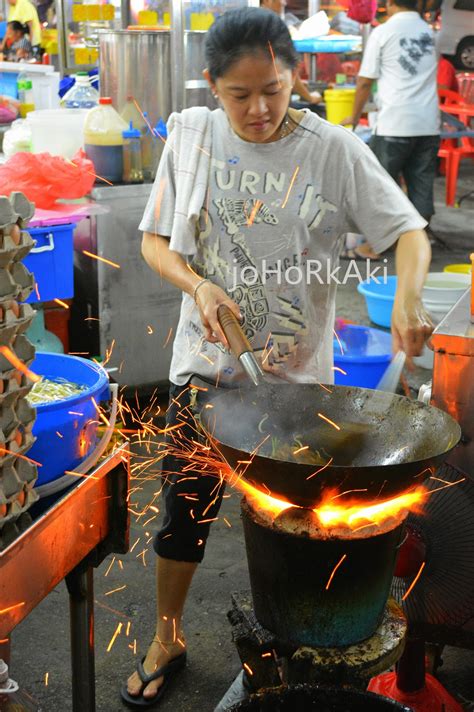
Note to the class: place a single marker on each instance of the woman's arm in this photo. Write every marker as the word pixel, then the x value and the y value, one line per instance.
pixel 302 90
pixel 411 324
pixel 174 269
pixel 363 89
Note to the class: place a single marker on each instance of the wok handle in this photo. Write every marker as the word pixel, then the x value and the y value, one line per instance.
pixel 238 342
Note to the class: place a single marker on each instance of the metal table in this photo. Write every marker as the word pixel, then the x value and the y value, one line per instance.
pixel 65 542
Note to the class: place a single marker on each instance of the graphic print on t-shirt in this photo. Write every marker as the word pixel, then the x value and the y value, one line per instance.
pixel 237 213
pixel 252 237
pixel 413 50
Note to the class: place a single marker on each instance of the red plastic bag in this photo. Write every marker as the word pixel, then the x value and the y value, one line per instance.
pixel 362 11
pixel 44 178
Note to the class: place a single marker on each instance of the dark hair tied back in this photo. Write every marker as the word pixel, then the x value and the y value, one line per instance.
pixel 238 33
pixel 19 27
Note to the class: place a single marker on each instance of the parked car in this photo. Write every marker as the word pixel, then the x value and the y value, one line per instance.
pixel 456 36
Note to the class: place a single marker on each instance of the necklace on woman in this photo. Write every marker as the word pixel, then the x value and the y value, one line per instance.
pixel 285 127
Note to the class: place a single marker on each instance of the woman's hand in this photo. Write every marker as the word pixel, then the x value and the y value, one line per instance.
pixel 315 97
pixel 209 298
pixel 411 325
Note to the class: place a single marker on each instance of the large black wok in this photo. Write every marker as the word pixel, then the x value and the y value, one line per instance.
pixel 384 447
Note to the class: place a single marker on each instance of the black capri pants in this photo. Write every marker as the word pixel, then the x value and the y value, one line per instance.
pixel 190 498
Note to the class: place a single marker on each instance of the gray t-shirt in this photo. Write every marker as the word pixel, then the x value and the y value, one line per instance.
pixel 274 213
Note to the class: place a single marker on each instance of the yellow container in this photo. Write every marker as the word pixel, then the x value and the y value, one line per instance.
pixel 339 104
pixel 148 17
pixel 459 269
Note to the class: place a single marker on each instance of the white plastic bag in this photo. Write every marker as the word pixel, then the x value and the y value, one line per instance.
pixel 315 26
pixel 17 138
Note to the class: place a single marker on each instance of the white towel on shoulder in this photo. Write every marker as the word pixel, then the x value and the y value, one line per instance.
pixel 191 140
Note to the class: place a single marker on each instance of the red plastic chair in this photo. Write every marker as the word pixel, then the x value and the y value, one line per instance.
pixel 453 151
pixel 447 96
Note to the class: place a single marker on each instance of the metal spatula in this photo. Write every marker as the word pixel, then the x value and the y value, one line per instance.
pixel 391 377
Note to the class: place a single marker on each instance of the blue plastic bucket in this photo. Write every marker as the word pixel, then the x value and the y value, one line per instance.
pixel 379 299
pixel 66 430
pixel 367 354
pixel 52 263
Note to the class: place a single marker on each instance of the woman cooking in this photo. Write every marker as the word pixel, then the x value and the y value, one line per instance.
pixel 246 197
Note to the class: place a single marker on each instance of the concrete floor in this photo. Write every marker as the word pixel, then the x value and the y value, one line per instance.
pixel 41 643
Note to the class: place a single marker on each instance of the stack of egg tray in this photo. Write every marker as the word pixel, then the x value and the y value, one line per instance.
pixel 17 473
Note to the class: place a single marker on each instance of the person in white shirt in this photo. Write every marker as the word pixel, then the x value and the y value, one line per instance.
pixel 401 55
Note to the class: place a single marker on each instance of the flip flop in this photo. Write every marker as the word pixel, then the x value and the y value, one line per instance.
pixel 352 254
pixel 167 671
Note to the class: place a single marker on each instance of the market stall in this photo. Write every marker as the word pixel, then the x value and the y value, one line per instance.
pixel 72 265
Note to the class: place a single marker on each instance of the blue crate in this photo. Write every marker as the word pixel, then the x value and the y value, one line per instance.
pixel 51 261
pixel 331 44
pixel 8 84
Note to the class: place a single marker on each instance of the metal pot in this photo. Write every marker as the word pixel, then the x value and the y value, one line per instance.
pixel 138 64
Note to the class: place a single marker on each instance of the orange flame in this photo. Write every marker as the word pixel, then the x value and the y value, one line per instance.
pixel 354 515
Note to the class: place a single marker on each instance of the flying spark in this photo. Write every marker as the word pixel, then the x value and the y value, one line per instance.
pixel 118 630
pixel 272 54
pixel 334 425
pixel 101 259
pixel 19 365
pixel 109 593
pixel 410 589
pixel 343 557
pixel 283 205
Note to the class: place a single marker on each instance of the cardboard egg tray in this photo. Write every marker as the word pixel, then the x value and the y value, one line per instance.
pixel 12 529
pixel 18 474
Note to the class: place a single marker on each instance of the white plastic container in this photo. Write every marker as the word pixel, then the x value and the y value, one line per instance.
pixel 57 131
pixel 441 292
pixel 445 287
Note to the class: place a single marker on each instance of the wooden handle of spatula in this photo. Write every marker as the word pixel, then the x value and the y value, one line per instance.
pixel 238 342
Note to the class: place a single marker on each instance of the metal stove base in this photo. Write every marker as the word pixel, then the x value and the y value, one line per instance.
pixel 269 662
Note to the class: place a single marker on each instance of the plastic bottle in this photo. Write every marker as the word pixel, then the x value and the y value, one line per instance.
pixel 153 143
pixel 130 112
pixel 81 95
pixel 12 699
pixel 25 94
pixel 132 155
pixel 103 140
